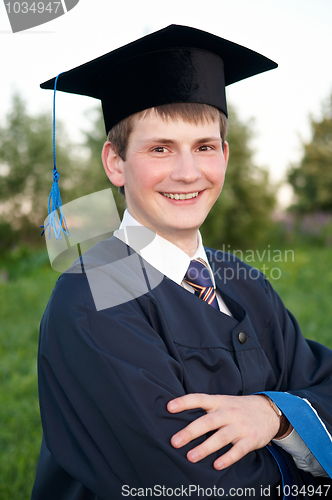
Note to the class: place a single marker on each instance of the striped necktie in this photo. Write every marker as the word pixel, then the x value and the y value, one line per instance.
pixel 198 276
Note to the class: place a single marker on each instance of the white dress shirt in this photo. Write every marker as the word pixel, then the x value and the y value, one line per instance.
pixel 169 259
pixel 173 262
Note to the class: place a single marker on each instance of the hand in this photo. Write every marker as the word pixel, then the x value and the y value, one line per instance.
pixel 246 422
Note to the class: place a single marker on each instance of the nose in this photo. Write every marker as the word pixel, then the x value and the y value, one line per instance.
pixel 185 168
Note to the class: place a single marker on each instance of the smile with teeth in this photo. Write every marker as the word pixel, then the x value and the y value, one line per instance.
pixel 181 196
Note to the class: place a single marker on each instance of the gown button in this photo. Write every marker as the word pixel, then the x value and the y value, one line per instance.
pixel 242 338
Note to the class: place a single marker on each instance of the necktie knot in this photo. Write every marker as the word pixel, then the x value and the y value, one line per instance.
pixel 199 278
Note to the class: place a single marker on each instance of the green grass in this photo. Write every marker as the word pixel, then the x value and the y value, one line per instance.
pixel 305 286
pixel 22 303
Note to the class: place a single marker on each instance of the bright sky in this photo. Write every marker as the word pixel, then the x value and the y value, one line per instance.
pixel 294 33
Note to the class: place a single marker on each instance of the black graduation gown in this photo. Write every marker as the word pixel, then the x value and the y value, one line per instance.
pixel 105 376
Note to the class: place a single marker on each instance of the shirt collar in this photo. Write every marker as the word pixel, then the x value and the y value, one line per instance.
pixel 163 255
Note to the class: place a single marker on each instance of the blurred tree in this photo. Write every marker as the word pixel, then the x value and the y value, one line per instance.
pixel 26 164
pixel 242 215
pixel 311 179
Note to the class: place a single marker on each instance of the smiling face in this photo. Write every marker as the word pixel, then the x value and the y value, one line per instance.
pixel 173 173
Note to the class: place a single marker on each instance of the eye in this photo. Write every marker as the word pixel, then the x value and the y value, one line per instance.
pixel 159 149
pixel 204 148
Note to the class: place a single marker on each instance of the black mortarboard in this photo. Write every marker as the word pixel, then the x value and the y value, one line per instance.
pixel 175 64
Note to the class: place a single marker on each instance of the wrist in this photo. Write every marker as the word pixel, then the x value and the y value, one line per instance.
pixel 284 428
pixel 284 425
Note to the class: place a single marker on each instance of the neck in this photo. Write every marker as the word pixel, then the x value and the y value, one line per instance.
pixel 186 240
pixel 188 243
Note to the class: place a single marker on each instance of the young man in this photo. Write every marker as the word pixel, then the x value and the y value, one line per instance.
pixel 150 365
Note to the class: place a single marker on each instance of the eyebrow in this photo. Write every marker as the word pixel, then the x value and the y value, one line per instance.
pixel 171 141
pixel 210 139
pixel 158 139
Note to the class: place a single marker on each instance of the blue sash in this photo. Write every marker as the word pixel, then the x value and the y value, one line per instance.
pixel 308 426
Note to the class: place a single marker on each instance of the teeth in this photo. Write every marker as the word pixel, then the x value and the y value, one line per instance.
pixel 180 196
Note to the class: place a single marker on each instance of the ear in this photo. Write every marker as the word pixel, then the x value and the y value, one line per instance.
pixel 113 164
pixel 226 152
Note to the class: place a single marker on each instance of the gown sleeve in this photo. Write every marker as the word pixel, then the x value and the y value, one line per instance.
pixel 306 392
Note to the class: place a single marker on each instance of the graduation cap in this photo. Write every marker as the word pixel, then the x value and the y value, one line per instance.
pixel 177 64
pixel 173 65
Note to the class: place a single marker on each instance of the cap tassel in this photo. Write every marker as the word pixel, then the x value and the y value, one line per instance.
pixel 56 218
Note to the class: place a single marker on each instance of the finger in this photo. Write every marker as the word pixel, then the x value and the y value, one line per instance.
pixel 238 451
pixel 191 401
pixel 197 428
pixel 214 443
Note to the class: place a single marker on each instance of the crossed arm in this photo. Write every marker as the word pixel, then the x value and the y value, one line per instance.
pixel 246 422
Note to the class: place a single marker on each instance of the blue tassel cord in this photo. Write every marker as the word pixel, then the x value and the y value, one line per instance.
pixel 56 218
